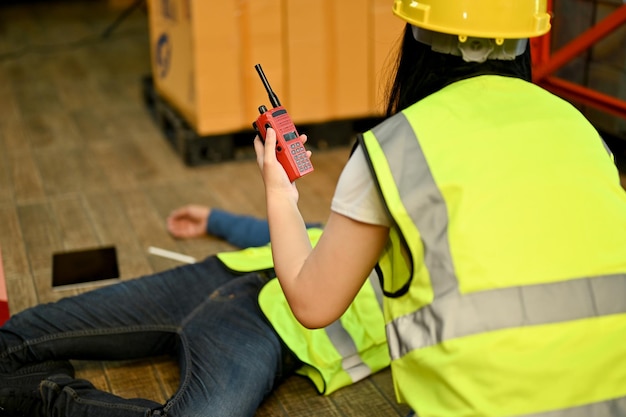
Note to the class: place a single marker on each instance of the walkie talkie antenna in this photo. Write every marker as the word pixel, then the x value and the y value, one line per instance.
pixel 270 93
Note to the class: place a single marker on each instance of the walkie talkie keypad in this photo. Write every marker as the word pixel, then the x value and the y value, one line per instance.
pixel 299 155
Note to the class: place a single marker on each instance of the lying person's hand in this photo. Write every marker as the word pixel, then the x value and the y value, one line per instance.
pixel 188 222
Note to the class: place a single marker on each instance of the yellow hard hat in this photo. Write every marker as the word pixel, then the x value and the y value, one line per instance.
pixel 493 19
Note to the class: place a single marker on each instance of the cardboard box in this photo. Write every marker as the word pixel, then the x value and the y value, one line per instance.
pixel 308 64
pixel 350 83
pixel 321 58
pixel 262 33
pixel 216 75
pixel 194 61
pixel 387 35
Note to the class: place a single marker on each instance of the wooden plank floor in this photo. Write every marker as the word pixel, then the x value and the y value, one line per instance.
pixel 82 165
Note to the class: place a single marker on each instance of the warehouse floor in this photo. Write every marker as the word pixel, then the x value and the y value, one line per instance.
pixel 82 164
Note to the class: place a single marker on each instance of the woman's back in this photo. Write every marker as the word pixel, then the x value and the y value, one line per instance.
pixel 515 231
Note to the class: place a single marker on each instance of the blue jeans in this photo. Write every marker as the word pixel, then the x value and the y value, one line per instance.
pixel 230 357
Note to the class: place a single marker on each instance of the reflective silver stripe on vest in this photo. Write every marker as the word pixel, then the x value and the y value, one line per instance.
pixel 421 197
pixel 351 362
pixel 344 344
pixel 610 408
pixel 455 315
pixel 451 314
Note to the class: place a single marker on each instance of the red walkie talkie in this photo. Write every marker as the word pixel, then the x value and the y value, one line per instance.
pixel 290 150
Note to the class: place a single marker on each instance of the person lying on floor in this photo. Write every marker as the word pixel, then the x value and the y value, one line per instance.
pixel 224 318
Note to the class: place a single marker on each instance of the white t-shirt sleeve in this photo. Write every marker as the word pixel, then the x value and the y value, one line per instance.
pixel 356 195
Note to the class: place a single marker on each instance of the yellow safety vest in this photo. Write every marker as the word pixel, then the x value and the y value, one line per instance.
pixel 505 272
pixel 346 351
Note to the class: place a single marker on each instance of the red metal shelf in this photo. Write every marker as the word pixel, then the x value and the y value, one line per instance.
pixel 546 62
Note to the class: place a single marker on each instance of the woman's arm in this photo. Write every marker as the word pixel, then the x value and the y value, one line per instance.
pixel 319 283
pixel 335 270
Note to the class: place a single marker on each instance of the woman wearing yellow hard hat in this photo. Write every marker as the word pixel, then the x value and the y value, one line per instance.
pixel 493 213
pixel 499 19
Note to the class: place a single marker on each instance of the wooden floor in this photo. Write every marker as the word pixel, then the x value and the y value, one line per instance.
pixel 83 165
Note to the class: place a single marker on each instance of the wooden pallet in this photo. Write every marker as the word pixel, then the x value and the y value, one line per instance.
pixel 196 149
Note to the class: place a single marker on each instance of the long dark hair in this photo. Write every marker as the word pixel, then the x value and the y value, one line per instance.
pixel 420 72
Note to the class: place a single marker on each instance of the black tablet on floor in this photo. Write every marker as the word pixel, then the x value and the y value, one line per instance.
pixel 84 267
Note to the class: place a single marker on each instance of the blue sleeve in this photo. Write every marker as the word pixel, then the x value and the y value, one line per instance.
pixel 239 230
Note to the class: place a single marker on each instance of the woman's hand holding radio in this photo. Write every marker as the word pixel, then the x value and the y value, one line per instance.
pixel 273 173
